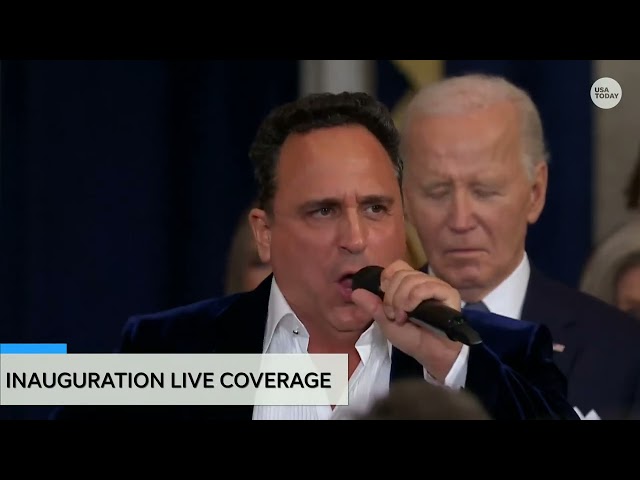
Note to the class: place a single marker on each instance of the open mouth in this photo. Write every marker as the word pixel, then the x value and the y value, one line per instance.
pixel 346 280
pixel 345 285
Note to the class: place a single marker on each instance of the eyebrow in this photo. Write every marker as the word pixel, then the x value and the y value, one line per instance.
pixel 437 183
pixel 335 202
pixel 373 199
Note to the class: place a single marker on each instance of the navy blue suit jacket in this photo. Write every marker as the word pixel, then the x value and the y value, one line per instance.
pixel 601 357
pixel 512 372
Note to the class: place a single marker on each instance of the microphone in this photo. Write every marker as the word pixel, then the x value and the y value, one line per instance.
pixel 432 312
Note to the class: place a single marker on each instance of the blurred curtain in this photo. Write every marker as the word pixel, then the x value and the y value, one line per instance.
pixel 560 241
pixel 120 184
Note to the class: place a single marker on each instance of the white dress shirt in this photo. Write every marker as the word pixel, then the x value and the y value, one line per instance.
pixel 285 333
pixel 507 298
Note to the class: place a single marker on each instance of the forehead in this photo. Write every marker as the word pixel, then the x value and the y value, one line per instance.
pixel 334 161
pixel 495 128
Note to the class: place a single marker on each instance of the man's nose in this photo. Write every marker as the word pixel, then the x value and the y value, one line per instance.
pixel 353 232
pixel 461 215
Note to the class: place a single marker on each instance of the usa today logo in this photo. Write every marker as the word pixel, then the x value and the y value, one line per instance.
pixel 606 93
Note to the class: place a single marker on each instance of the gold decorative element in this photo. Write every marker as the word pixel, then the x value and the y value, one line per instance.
pixel 415 255
pixel 418 73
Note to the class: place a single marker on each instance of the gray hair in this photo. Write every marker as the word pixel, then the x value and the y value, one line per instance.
pixel 602 270
pixel 461 94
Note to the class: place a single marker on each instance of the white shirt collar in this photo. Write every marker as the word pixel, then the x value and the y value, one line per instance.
pixel 507 298
pixel 281 316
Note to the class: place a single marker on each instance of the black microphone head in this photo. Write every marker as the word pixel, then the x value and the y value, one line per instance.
pixel 368 278
pixel 430 312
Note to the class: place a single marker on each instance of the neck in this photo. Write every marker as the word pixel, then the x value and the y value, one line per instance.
pixel 332 342
pixel 477 293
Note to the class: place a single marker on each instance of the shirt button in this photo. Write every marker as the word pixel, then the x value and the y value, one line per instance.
pixel 295 331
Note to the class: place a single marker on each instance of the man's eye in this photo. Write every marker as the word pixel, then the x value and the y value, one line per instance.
pixel 484 193
pixel 322 212
pixel 436 194
pixel 378 208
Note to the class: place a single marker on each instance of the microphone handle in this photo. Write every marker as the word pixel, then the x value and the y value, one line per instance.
pixel 442 317
pixel 446 319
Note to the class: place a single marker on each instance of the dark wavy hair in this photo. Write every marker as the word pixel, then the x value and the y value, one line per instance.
pixel 311 112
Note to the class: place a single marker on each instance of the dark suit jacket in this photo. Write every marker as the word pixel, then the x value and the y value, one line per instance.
pixel 512 372
pixel 601 357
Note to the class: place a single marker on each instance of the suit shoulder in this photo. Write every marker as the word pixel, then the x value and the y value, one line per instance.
pixel 592 313
pixel 506 336
pixel 170 329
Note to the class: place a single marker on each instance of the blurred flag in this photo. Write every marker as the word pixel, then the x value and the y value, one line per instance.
pixel 398 80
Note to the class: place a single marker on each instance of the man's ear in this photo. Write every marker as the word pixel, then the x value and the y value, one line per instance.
pixel 259 221
pixel 538 192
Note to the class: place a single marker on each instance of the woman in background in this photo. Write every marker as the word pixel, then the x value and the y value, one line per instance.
pixel 613 272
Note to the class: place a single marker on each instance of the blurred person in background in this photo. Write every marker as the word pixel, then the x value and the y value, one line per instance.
pixel 632 192
pixel 612 272
pixel 419 400
pixel 245 269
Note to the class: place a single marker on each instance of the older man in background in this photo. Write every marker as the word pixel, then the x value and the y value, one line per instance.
pixel 475 179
